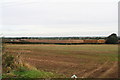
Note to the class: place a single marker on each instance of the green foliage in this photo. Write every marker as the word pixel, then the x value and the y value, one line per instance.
pixel 8 63
pixel 23 72
pixel 112 39
pixel 34 74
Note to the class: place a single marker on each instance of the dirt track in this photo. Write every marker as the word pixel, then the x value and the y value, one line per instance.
pixel 95 70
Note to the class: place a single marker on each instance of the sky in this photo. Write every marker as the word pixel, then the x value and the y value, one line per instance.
pixel 51 18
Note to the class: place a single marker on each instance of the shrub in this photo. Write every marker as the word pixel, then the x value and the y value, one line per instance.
pixel 112 39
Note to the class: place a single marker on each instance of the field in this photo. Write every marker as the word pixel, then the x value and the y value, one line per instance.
pixel 85 61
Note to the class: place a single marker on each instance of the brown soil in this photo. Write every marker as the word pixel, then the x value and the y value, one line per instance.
pixel 67 64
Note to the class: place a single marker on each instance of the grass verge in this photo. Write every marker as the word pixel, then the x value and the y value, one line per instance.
pixel 23 72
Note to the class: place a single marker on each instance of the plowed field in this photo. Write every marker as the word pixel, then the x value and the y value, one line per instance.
pixel 86 61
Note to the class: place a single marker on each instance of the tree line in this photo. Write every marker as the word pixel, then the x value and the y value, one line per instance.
pixel 111 39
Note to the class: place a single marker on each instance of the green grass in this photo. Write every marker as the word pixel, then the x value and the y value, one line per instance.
pixel 24 73
pixel 34 74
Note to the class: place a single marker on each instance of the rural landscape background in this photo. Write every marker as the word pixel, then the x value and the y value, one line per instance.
pixel 59 38
pixel 60 57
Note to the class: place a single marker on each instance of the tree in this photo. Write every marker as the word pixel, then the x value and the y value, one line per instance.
pixel 112 39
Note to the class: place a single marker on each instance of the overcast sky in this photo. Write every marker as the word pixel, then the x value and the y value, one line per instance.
pixel 58 17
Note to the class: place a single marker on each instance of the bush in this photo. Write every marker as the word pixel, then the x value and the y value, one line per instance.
pixel 7 63
pixel 112 39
